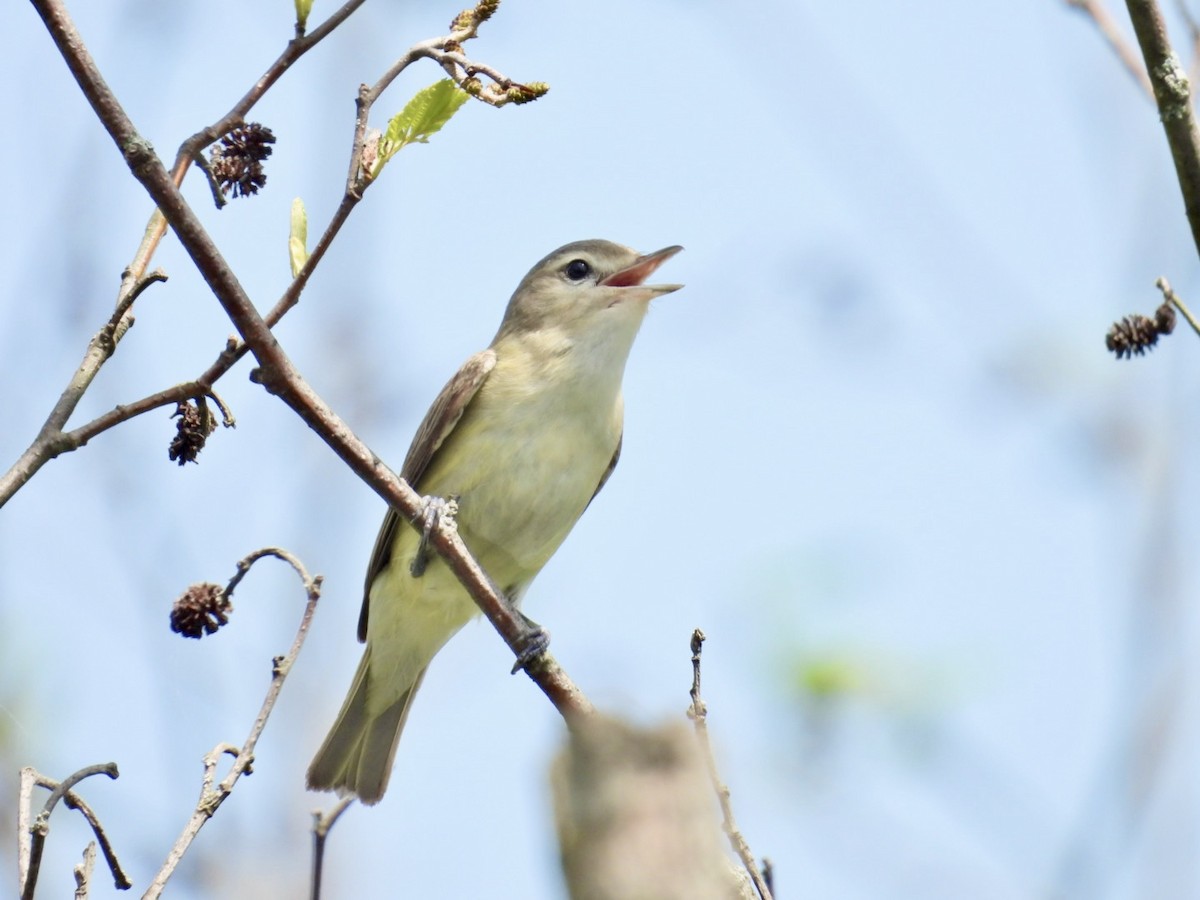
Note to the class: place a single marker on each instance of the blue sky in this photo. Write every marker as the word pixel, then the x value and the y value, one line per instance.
pixel 877 431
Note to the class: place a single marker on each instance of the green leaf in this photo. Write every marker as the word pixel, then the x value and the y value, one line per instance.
pixel 830 678
pixel 424 116
pixel 298 238
pixel 303 8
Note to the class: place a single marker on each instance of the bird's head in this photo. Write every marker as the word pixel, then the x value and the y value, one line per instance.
pixel 588 287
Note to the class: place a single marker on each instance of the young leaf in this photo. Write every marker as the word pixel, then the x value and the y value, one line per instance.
pixel 298 238
pixel 422 117
pixel 303 8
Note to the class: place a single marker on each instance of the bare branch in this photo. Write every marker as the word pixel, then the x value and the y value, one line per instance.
pixel 210 177
pixel 32 836
pixel 291 296
pixel 1169 295
pixel 118 316
pixel 699 715
pixel 213 794
pixel 50 440
pixel 227 419
pixel 29 778
pixel 322 823
pixel 83 871
pixel 1173 94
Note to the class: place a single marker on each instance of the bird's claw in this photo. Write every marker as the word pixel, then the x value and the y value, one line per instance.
pixel 433 511
pixel 532 644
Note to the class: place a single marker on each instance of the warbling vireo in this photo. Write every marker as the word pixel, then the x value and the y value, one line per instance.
pixel 523 436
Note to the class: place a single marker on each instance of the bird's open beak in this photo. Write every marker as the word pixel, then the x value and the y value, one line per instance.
pixel 642 268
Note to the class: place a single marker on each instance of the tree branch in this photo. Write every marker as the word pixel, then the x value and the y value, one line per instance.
pixel 212 796
pixel 1173 94
pixel 31 836
pixel 50 440
pixel 83 871
pixel 1169 295
pixel 699 716
pixel 322 823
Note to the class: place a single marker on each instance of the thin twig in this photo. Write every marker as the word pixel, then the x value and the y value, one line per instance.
pixel 29 778
pixel 699 716
pixel 295 49
pixel 83 871
pixel 158 276
pixel 322 823
pixel 1108 27
pixel 213 794
pixel 50 440
pixel 1173 94
pixel 1169 295
pixel 120 879
pixel 214 183
pixel 227 419
pixel 291 296
pixel 189 390
pixel 32 835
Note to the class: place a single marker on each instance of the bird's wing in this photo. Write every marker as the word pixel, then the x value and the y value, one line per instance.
pixel 611 465
pixel 447 409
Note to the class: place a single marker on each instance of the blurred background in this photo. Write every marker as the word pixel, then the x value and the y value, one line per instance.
pixel 936 535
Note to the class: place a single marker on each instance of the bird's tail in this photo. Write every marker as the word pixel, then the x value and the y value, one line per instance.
pixel 356 757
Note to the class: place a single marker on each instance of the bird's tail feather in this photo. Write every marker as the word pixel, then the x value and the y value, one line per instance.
pixel 357 755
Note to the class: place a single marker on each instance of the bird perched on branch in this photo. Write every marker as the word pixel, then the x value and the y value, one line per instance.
pixel 519 441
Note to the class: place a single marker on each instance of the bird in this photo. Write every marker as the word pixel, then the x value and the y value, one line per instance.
pixel 521 439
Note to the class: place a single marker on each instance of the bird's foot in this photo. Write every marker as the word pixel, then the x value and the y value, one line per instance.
pixel 531 645
pixel 433 511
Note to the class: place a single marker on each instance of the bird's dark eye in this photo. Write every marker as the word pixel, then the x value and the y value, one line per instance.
pixel 578 269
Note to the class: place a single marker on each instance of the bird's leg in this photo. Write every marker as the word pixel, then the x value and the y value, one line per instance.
pixel 433 510
pixel 533 642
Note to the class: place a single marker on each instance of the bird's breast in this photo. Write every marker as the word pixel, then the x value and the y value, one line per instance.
pixel 524 462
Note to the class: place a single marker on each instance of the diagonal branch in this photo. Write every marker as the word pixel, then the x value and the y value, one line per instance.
pixel 1173 94
pixel 1170 296
pixel 50 440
